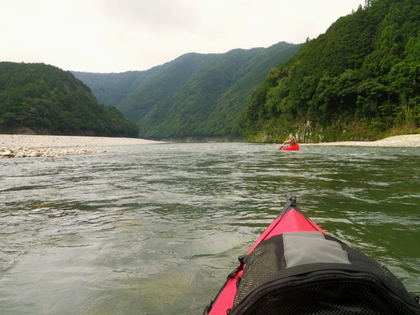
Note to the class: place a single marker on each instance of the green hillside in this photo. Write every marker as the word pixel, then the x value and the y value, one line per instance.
pixel 195 95
pixel 359 80
pixel 111 88
pixel 211 101
pixel 43 99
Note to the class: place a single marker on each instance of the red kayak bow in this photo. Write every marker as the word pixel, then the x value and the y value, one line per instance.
pixel 296 268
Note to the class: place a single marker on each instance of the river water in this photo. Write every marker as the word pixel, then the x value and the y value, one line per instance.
pixel 155 229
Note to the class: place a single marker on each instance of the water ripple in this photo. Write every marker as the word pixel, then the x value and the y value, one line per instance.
pixel 154 229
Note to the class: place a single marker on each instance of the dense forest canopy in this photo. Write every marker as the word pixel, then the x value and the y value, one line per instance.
pixel 43 99
pixel 359 80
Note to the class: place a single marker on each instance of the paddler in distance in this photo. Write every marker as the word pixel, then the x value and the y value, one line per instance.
pixel 289 142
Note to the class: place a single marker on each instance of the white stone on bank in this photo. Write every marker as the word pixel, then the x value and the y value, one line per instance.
pixel 27 152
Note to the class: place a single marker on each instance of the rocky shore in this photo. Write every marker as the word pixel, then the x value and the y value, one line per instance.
pixel 27 152
pixel 19 146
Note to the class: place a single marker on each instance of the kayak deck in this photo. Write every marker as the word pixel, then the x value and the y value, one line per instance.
pixel 295 267
pixel 289 220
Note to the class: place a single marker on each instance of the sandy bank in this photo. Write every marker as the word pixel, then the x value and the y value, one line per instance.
pixel 396 141
pixel 19 146
pixel 13 142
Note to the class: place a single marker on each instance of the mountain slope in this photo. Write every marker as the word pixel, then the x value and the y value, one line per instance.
pixel 195 95
pixel 47 100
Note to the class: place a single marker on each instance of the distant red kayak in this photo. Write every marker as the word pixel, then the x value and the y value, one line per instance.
pixel 296 268
pixel 286 147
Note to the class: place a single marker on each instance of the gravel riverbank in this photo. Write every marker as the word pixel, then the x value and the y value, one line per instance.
pixel 37 145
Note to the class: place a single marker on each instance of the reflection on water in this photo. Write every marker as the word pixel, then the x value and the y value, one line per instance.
pixel 154 229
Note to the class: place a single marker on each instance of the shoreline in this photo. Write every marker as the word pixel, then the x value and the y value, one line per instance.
pixel 17 141
pixel 16 145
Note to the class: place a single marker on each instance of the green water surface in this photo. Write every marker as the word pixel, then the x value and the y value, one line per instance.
pixel 155 229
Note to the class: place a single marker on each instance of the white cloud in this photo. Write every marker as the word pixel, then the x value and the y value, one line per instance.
pixel 122 35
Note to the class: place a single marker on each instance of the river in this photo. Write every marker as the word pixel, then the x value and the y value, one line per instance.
pixel 155 229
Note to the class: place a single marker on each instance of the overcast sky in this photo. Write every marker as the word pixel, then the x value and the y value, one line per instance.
pixel 123 35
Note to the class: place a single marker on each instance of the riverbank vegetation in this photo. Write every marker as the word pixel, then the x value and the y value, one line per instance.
pixel 360 80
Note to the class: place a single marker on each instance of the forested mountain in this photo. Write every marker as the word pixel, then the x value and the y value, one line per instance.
pixel 195 95
pixel 359 80
pixel 43 99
